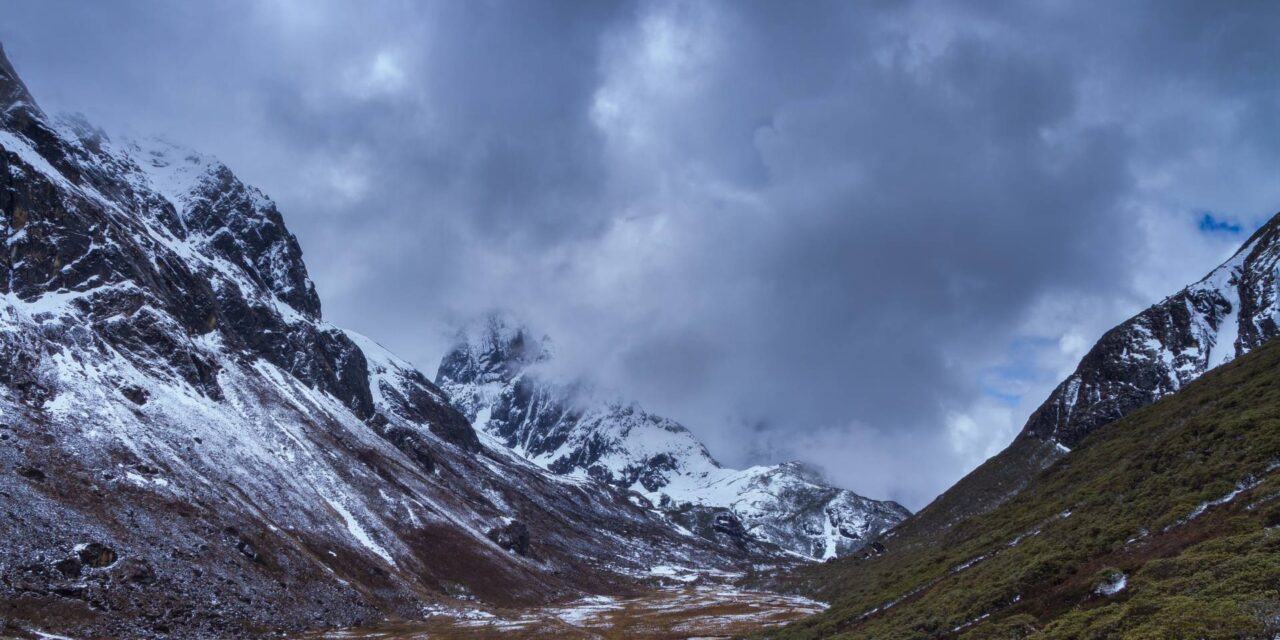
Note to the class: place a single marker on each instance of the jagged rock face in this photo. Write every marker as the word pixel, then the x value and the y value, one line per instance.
pixel 494 376
pixel 1228 313
pixel 186 447
pixel 1223 316
pixel 786 504
pixel 491 376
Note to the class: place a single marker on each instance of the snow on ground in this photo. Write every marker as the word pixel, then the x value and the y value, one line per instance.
pixel 1249 483
pixel 706 609
pixel 358 532
pixel 1114 585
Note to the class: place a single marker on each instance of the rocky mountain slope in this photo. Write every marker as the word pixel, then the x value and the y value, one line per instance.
pixel 495 376
pixel 1228 313
pixel 1163 524
pixel 187 447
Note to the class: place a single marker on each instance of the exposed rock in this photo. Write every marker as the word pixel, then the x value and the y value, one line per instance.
pixel 31 473
pixel 493 376
pixel 135 394
pixel 245 546
pixel 1228 313
pixel 164 360
pixel 69 567
pixel 13 92
pixel 512 537
pixel 1231 311
pixel 96 555
pixel 727 523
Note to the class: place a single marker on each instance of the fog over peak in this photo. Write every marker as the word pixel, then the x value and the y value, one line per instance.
pixel 870 236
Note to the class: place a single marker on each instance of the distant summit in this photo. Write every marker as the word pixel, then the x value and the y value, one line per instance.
pixel 564 426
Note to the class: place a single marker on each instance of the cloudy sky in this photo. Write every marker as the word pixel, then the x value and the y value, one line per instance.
pixel 869 235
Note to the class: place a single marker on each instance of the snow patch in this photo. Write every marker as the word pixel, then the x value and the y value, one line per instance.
pixel 1113 585
pixel 358 532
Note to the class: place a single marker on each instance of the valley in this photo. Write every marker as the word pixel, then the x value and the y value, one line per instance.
pixel 1164 524
pixel 191 448
pixel 668 613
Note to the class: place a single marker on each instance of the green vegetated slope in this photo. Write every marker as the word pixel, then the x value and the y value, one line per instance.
pixel 1178 502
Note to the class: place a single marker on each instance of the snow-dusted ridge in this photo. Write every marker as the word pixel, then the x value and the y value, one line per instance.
pixel 1226 314
pixel 493 376
pixel 1233 310
pixel 187 448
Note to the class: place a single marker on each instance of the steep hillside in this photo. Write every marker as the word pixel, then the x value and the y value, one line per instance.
pixel 187 447
pixel 1229 312
pixel 1163 524
pixel 494 376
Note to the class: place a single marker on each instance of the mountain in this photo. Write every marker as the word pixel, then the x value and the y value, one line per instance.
pixel 496 376
pixel 1228 313
pixel 188 448
pixel 1163 524
pixel 1141 473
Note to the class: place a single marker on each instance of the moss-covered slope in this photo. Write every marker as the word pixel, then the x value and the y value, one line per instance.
pixel 1160 525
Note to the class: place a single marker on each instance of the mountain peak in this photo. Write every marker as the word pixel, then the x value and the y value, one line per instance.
pixel 1231 311
pixel 1266 235
pixel 492 376
pixel 495 348
pixel 13 92
pixel 161 342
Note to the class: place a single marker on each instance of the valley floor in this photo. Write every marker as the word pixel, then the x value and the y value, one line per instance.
pixel 688 611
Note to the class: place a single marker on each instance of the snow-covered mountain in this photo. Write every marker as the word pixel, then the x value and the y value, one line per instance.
pixel 187 447
pixel 1226 314
pixel 495 376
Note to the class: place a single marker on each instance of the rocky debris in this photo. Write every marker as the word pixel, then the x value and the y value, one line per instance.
pixel 245 546
pixel 493 376
pixel 135 394
pixel 69 567
pixel 872 550
pixel 513 537
pixel 32 473
pixel 412 445
pixel 96 555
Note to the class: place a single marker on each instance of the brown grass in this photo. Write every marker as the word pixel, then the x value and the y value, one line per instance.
pixel 669 614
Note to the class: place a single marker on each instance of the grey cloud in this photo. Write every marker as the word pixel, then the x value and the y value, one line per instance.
pixel 817 231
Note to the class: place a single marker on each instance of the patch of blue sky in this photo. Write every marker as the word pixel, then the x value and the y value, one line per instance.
pixel 1211 223
pixel 1021 371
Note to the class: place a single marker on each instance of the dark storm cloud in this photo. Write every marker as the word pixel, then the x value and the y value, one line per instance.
pixel 869 235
